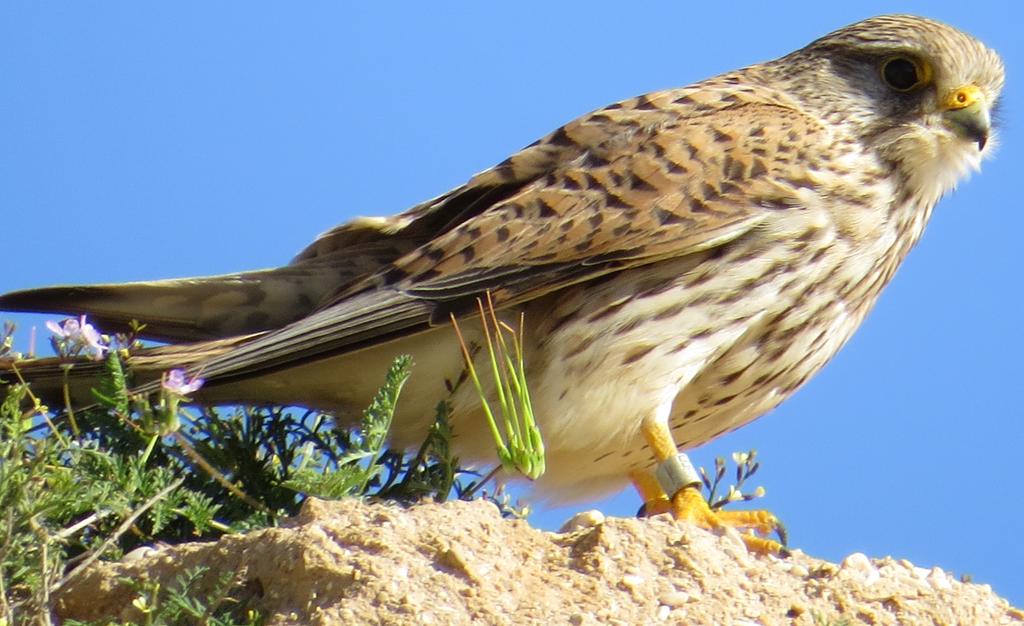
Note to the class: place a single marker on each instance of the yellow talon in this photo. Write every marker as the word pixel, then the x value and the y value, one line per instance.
pixel 689 504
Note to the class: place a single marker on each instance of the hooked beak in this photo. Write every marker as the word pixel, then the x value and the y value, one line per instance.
pixel 966 112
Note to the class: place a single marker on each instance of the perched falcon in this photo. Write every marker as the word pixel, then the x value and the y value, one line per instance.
pixel 685 260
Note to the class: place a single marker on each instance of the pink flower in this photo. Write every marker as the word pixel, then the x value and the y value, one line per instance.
pixel 72 336
pixel 174 382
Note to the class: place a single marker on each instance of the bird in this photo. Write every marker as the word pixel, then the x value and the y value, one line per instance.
pixel 683 261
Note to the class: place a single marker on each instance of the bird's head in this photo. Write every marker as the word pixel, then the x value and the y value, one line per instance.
pixel 919 92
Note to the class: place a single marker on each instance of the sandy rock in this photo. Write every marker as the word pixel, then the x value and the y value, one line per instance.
pixel 350 562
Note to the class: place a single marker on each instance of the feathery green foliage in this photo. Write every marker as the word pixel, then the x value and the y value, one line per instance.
pixel 132 471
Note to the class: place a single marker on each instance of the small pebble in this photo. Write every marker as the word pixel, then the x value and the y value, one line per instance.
pixel 857 561
pixel 939 579
pixel 583 519
pixel 632 581
pixel 798 570
pixel 675 599
pixel 732 544
pixel 860 565
pixel 139 554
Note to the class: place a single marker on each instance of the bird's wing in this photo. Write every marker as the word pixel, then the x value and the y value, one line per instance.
pixel 216 307
pixel 651 178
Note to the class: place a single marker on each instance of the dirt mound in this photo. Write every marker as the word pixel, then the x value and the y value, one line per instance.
pixel 460 563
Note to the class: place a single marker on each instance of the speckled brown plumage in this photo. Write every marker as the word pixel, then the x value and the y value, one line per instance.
pixel 687 258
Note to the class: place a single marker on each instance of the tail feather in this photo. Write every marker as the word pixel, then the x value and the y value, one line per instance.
pixel 190 309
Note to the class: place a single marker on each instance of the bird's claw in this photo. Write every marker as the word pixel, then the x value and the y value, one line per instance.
pixel 689 505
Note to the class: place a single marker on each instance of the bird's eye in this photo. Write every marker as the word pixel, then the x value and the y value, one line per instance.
pixel 903 74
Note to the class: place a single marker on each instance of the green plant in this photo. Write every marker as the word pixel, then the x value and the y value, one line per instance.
pixel 519 444
pixel 189 601
pixel 81 484
pixel 746 466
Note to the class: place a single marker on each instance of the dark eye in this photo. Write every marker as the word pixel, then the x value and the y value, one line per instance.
pixel 902 74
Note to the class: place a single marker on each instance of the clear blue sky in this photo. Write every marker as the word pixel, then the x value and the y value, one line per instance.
pixel 144 141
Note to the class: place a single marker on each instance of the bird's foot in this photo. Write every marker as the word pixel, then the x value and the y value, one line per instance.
pixel 688 504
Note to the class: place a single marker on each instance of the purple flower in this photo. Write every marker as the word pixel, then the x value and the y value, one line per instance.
pixel 174 382
pixel 73 336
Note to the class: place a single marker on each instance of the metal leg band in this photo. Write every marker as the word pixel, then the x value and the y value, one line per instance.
pixel 676 473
